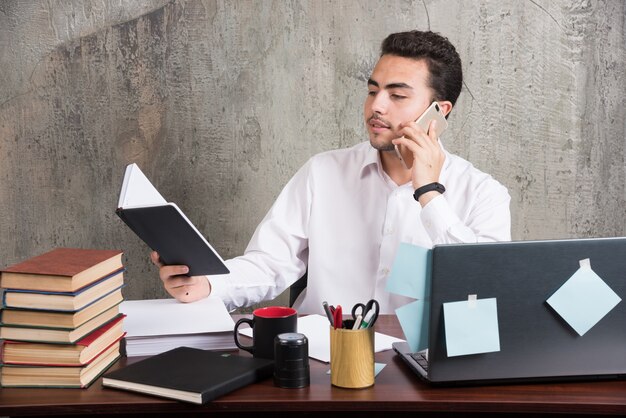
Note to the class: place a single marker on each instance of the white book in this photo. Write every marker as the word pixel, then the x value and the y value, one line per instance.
pixel 150 346
pixel 164 227
pixel 158 325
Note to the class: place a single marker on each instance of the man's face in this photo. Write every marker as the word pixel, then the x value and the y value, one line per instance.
pixel 397 92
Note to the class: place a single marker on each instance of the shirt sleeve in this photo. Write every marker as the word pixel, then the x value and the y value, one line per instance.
pixel 277 254
pixel 488 220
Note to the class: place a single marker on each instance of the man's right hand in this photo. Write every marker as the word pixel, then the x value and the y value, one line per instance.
pixel 180 286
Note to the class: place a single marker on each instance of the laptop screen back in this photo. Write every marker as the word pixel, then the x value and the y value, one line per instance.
pixel 535 341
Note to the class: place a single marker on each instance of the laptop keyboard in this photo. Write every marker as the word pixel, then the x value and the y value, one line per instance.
pixel 421 359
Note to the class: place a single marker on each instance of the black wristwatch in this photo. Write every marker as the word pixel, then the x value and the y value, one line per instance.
pixel 438 187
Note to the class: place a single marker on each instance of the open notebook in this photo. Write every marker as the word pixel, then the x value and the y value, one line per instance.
pixel 164 227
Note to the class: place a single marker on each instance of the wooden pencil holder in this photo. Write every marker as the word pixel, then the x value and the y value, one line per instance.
pixel 352 357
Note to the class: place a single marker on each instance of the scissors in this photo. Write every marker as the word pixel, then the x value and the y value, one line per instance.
pixel 361 309
pixel 337 317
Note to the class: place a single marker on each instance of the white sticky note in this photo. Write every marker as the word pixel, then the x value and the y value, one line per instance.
pixel 471 326
pixel 584 299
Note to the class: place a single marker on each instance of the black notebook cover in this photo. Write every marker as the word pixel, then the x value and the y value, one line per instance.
pixel 168 232
pixel 190 374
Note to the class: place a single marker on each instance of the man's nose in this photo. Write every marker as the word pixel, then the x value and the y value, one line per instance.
pixel 380 103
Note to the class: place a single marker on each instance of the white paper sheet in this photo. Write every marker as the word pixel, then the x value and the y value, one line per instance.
pixel 137 190
pixel 170 317
pixel 317 331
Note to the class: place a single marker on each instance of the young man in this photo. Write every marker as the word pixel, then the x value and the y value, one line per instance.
pixel 344 213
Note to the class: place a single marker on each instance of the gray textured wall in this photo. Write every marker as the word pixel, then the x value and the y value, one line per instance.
pixel 220 102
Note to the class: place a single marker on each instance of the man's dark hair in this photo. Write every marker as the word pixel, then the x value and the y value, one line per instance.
pixel 444 63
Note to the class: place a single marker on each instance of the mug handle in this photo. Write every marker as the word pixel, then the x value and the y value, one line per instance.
pixel 248 348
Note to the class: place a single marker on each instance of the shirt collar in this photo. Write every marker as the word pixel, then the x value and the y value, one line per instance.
pixel 371 158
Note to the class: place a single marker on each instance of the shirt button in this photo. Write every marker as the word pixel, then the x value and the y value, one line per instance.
pixel 384 271
pixel 389 231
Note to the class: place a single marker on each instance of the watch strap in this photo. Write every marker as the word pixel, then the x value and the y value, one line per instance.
pixel 437 187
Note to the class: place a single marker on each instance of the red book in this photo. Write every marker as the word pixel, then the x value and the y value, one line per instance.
pixel 81 353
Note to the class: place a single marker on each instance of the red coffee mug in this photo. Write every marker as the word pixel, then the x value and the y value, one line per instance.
pixel 267 323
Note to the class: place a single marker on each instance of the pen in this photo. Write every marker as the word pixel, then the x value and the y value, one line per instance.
pixel 368 317
pixel 328 312
pixel 357 321
pixel 338 317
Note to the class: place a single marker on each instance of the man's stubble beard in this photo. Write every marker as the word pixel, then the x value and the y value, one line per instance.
pixel 382 147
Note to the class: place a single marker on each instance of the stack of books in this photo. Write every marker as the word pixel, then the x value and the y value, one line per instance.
pixel 158 325
pixel 60 318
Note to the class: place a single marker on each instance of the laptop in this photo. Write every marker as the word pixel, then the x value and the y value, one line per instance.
pixel 536 343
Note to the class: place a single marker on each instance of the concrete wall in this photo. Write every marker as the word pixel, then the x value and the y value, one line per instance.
pixel 220 102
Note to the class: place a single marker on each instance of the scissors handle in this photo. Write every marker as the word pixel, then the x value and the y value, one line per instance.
pixel 370 312
pixel 371 304
pixel 356 308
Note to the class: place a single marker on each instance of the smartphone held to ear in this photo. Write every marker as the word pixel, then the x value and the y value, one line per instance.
pixel 432 113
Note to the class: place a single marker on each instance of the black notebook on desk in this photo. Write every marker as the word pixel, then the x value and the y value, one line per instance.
pixel 189 374
pixel 164 227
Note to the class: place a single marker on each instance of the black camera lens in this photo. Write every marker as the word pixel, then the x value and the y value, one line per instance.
pixel 436 107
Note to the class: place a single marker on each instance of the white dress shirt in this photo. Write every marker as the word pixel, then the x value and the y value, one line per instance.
pixel 342 217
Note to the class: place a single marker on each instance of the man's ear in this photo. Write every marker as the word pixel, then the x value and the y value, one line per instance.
pixel 445 106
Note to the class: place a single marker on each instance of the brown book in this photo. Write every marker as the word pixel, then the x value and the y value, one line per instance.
pixel 80 353
pixel 62 320
pixel 61 270
pixel 63 301
pixel 63 336
pixel 67 377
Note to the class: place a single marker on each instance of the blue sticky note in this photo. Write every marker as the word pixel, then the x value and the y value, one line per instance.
pixel 471 327
pixel 378 367
pixel 410 273
pixel 584 299
pixel 413 318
